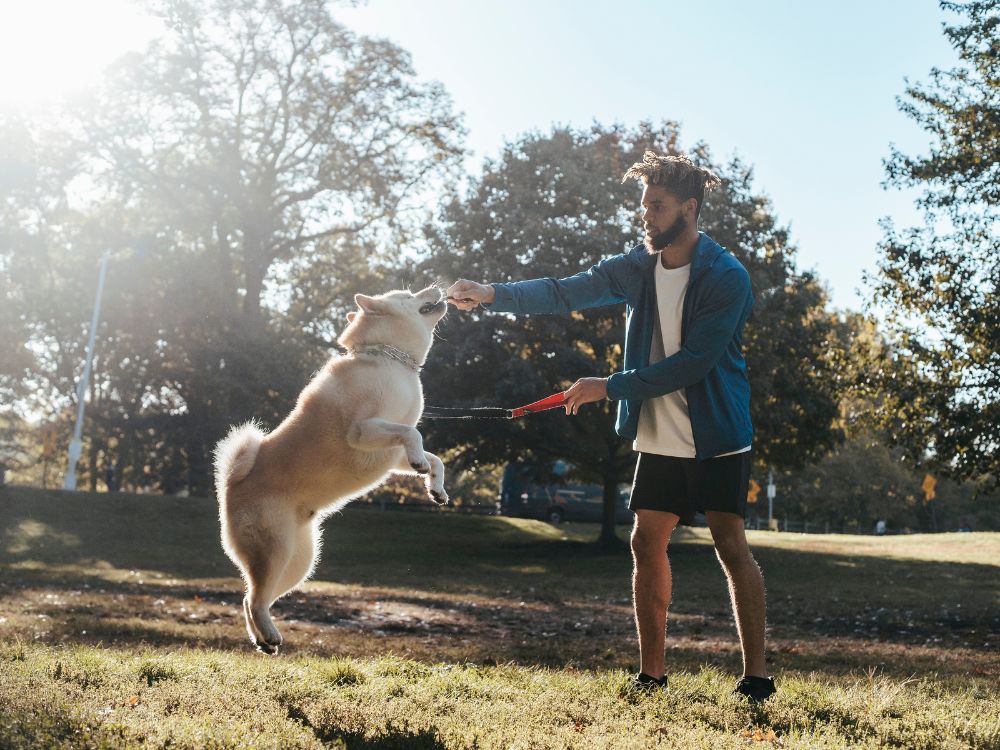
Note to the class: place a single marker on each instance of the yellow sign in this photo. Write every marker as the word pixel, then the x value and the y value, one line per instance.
pixel 929 484
pixel 753 492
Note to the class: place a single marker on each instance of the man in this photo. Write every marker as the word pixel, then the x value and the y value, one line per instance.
pixel 683 396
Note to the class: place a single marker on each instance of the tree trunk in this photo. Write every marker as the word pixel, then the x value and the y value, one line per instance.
pixel 608 539
pixel 198 475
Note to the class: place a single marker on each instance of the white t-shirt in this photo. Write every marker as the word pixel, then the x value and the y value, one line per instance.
pixel 664 423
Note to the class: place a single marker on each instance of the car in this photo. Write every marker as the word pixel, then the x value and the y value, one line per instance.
pixel 524 495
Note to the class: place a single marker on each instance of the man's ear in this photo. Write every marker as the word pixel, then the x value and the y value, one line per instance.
pixel 692 205
pixel 368 304
pixel 351 316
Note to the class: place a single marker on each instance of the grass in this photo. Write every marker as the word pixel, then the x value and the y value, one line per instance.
pixel 119 627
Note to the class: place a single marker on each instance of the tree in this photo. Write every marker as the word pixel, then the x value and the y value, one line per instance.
pixel 793 345
pixel 41 302
pixel 553 205
pixel 938 285
pixel 232 164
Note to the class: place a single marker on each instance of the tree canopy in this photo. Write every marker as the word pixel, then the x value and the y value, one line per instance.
pixel 938 284
pixel 226 169
pixel 254 168
pixel 553 205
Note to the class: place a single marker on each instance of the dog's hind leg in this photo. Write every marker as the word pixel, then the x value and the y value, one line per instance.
pixel 264 563
pixel 296 570
pixel 303 558
pixel 255 636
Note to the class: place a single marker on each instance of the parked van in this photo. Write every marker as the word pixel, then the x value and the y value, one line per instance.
pixel 523 496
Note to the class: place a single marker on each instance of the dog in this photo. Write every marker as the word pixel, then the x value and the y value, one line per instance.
pixel 352 426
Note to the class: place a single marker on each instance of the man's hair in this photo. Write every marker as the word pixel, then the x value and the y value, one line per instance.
pixel 677 174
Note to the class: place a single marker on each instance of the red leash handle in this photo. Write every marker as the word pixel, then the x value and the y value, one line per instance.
pixel 552 402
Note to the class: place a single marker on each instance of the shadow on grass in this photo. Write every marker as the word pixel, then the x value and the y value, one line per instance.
pixel 424 739
pixel 389 738
pixel 507 590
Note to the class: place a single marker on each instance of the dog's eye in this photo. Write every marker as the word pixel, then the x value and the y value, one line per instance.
pixel 428 308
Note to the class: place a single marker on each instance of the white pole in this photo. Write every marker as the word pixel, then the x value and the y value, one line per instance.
pixel 770 495
pixel 76 444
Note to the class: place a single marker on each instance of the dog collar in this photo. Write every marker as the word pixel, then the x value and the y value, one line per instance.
pixel 389 352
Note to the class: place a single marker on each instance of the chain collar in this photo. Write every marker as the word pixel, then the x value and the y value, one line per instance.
pixel 389 352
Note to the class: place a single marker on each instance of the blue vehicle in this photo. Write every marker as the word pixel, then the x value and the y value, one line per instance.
pixel 523 495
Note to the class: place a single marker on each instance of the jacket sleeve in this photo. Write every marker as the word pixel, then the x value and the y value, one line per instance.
pixel 602 284
pixel 711 330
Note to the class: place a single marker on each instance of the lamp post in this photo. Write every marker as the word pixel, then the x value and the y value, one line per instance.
pixel 76 444
pixel 771 492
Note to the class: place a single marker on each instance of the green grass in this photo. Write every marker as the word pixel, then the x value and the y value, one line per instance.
pixel 120 627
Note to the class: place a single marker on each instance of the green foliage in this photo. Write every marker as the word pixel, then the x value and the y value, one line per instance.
pixel 230 169
pixel 938 286
pixel 867 477
pixel 554 205
pixel 863 480
pixel 791 341
pixel 551 206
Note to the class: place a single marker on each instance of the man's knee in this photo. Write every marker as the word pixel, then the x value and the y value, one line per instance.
pixel 648 547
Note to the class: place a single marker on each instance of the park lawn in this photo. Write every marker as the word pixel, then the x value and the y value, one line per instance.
pixel 120 627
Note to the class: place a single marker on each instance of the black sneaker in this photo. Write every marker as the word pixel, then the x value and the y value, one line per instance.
pixel 643 681
pixel 757 689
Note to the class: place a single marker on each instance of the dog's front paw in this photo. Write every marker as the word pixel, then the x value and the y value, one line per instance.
pixel 421 467
pixel 439 496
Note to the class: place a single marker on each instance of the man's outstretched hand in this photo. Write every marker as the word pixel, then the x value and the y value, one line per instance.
pixel 585 391
pixel 467 295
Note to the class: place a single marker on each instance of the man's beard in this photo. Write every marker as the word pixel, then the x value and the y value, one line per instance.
pixel 657 242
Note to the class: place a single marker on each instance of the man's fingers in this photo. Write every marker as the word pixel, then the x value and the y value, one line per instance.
pixel 462 301
pixel 570 394
pixel 462 288
pixel 465 295
pixel 572 405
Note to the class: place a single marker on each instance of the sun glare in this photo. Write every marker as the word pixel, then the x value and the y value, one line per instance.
pixel 51 48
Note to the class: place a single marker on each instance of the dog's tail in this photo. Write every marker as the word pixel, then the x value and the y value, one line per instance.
pixel 235 456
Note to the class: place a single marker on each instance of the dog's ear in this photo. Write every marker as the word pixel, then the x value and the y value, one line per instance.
pixel 351 316
pixel 368 304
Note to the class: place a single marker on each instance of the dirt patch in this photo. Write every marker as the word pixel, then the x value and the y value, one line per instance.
pixel 140 610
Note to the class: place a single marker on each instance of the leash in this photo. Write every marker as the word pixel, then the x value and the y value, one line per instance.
pixel 494 412
pixel 447 412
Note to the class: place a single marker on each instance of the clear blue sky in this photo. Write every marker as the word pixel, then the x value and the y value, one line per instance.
pixel 805 92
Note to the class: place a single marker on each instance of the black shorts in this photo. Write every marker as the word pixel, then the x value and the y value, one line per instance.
pixel 683 486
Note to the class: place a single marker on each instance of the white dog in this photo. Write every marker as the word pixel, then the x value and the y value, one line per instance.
pixel 353 425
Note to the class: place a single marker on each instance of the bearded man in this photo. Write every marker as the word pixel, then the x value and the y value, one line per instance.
pixel 683 397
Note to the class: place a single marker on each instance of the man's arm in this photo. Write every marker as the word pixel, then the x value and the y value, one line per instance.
pixel 706 340
pixel 601 284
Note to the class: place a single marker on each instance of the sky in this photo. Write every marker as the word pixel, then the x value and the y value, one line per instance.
pixel 803 92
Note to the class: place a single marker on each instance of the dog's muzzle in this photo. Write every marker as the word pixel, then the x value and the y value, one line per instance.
pixel 433 307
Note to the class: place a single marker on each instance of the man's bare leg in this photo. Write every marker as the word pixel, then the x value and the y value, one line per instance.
pixel 651 585
pixel 746 587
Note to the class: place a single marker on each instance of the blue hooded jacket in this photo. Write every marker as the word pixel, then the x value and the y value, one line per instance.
pixel 709 365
